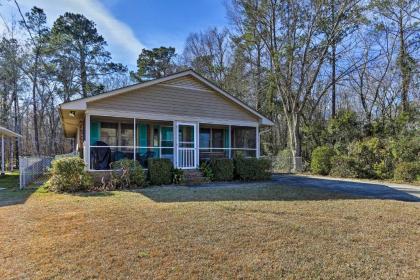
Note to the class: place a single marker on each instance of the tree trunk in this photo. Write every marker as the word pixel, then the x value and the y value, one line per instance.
pixel 333 65
pixel 83 75
pixel 295 143
pixel 258 86
pixel 35 107
pixel 16 118
pixel 404 65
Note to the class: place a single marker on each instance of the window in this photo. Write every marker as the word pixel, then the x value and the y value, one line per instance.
pixel 127 133
pixel 217 138
pixel 167 141
pixel 204 137
pixel 109 133
pixel 156 136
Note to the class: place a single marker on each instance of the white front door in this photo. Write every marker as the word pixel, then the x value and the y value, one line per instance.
pixel 186 145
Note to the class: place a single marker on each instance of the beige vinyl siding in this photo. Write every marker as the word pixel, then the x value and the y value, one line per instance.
pixel 174 100
pixel 187 82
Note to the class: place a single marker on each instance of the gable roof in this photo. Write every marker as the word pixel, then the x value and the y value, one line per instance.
pixel 80 104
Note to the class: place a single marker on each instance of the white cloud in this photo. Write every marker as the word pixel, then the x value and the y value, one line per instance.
pixel 123 44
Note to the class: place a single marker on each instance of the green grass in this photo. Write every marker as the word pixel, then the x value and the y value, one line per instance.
pixel 10 180
pixel 12 194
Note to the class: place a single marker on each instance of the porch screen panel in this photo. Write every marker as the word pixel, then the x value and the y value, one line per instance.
pixel 109 133
pixel 126 135
pixel 244 141
pixel 167 140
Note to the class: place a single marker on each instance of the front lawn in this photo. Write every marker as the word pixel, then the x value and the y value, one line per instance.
pixel 258 230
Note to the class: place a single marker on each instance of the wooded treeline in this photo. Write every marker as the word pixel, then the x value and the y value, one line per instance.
pixel 326 72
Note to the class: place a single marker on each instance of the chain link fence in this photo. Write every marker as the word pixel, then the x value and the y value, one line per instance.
pixel 282 164
pixel 33 170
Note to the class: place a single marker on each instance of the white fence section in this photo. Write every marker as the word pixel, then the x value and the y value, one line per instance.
pixel 286 164
pixel 33 169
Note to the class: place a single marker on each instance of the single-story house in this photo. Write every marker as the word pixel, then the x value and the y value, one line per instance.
pixel 182 117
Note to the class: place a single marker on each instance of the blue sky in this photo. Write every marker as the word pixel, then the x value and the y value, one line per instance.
pixel 129 25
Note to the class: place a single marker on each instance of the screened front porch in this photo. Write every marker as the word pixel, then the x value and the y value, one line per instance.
pixel 186 144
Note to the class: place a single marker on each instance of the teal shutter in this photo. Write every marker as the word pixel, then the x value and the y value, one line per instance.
pixel 95 132
pixel 227 138
pixel 142 135
pixel 227 142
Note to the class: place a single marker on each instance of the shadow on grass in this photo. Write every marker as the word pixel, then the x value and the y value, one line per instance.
pixel 93 194
pixel 256 191
pixel 10 193
pixel 361 189
pixel 283 188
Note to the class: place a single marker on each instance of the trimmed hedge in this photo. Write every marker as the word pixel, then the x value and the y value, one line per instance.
pixel 222 169
pixel 69 175
pixel 321 160
pixel 127 173
pixel 407 171
pixel 160 171
pixel 251 169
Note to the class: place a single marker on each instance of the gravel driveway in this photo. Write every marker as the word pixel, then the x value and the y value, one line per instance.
pixel 377 190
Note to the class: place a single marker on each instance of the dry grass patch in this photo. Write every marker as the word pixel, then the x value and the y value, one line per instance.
pixel 212 233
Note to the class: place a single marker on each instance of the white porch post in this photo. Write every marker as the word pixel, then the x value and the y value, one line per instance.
pixel 175 141
pixel 2 155
pixel 134 140
pixel 257 129
pixel 87 144
pixel 197 146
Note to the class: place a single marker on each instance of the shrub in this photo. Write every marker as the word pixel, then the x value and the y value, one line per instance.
pixel 160 171
pixel 282 162
pixel 250 169
pixel 385 168
pixel 178 176
pixel 373 158
pixel 127 173
pixel 406 149
pixel 206 170
pixel 222 169
pixel 321 160
pixel 343 166
pixel 69 175
pixel 407 171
